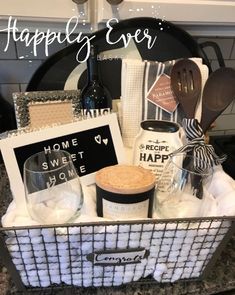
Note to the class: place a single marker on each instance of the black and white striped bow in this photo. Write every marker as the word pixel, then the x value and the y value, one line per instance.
pixel 204 154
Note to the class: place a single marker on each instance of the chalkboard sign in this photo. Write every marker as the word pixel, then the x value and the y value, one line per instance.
pixel 93 144
pixel 90 150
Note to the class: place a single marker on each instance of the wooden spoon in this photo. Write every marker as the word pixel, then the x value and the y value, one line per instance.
pixel 186 83
pixel 218 93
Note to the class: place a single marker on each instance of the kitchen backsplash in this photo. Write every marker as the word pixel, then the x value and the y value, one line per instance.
pixel 18 64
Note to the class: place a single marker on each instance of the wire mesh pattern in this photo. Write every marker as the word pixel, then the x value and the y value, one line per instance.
pixel 49 256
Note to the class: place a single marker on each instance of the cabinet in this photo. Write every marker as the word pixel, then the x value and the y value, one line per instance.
pixel 44 14
pixel 202 17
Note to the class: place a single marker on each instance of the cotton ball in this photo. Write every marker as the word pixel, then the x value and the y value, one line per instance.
pixel 86 247
pixel 226 204
pixel 64 260
pixel 122 244
pixel 36 240
pixel 97 282
pixel 138 272
pixel 60 213
pixel 69 201
pixel 20 267
pixel 124 228
pixel 158 234
pixel 42 273
pixel 99 245
pixel 87 282
pixel 221 184
pixel 54 268
pixel 159 270
pixel 107 282
pixel 41 259
pixel 48 235
pixel 177 274
pixel 24 240
pixel 29 261
pixel 25 280
pixel 17 261
pixel 62 246
pixel 146 235
pixel 34 283
pixel 66 278
pixel 136 227
pixel 50 204
pixel 135 235
pixel 148 227
pixel 44 281
pixel 145 243
pixel 27 254
pixel 38 247
pixel 42 212
pixel 55 279
pixel 208 206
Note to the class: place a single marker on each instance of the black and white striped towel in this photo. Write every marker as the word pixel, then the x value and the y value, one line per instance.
pixel 137 79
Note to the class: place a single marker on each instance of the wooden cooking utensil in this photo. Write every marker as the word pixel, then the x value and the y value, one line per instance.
pixel 186 83
pixel 218 93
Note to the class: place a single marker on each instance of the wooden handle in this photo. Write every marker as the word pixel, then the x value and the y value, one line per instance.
pixel 208 117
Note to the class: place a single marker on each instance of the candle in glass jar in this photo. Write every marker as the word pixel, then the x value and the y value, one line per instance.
pixel 125 192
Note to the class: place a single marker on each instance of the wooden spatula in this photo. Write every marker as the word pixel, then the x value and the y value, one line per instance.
pixel 186 83
pixel 218 93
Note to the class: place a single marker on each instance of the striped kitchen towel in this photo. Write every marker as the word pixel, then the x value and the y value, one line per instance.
pixel 137 79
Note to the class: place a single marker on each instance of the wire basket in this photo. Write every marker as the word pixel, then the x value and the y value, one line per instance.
pixel 113 253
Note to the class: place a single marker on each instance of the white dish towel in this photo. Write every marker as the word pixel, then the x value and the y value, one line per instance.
pixel 137 78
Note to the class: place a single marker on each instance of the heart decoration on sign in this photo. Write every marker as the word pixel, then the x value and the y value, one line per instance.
pixel 98 139
pixel 105 141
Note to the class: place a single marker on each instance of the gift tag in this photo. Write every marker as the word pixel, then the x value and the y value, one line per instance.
pixel 162 95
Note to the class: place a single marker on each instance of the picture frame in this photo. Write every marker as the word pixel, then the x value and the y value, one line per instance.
pixel 36 109
pixel 94 143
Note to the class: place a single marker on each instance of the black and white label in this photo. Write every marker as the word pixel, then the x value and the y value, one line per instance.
pixel 93 113
pixel 120 257
pixel 154 155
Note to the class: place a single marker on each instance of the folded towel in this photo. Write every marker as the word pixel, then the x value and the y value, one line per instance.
pixel 137 78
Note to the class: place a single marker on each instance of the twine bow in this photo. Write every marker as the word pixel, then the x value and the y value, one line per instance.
pixel 204 154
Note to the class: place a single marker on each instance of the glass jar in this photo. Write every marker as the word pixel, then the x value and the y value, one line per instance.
pixel 124 192
pixel 155 141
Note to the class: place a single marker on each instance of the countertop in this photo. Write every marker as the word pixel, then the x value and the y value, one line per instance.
pixel 221 280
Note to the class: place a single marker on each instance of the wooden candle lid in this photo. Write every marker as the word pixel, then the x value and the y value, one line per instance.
pixel 125 179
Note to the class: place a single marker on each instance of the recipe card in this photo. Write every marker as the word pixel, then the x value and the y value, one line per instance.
pixel 162 95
